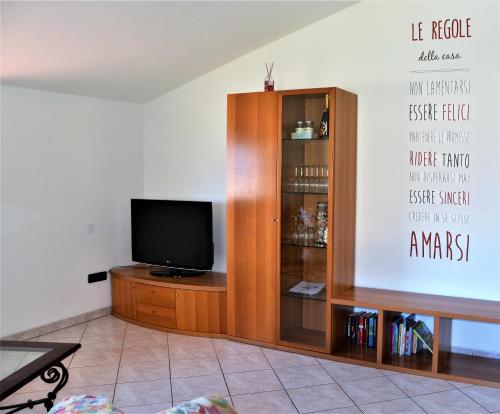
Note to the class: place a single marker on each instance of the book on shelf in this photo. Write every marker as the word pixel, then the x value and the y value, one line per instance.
pixel 361 329
pixel 409 336
pixel 425 336
pixel 307 288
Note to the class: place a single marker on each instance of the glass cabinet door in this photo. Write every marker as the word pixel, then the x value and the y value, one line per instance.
pixel 304 220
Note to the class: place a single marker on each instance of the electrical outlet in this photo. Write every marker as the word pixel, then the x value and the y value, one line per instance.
pixel 97 277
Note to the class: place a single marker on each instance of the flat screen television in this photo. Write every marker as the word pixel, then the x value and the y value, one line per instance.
pixel 174 236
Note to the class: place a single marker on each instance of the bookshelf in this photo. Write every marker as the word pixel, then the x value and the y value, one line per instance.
pixel 443 363
pixel 343 348
pixel 421 361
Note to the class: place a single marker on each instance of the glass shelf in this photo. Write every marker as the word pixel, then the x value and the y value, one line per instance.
pixel 305 192
pixel 285 243
pixel 302 140
pixel 321 296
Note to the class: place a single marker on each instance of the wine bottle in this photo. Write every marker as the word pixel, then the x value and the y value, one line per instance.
pixel 323 127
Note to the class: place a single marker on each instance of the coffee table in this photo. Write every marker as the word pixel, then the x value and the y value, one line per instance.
pixel 21 362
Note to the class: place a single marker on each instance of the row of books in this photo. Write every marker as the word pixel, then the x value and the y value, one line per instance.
pixel 361 328
pixel 409 336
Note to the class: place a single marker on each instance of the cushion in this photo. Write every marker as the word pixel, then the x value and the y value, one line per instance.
pixel 89 404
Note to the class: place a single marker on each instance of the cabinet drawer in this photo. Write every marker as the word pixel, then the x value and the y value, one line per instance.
pixel 154 295
pixel 156 315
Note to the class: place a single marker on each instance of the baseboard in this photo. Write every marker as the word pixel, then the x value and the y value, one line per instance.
pixel 55 326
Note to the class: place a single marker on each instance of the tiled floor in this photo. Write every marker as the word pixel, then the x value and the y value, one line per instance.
pixel 143 371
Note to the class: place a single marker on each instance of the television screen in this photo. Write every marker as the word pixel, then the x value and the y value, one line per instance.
pixel 176 234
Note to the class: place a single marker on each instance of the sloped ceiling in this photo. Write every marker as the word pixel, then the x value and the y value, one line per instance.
pixel 136 51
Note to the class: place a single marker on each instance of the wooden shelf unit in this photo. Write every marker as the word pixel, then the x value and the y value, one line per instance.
pixel 189 304
pixel 264 260
pixel 443 362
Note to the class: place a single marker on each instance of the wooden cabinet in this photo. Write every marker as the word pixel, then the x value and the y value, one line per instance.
pixel 193 304
pixel 272 237
pixel 252 215
pixel 201 311
pixel 123 297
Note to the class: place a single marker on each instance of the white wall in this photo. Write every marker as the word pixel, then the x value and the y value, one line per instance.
pixel 67 161
pixel 366 49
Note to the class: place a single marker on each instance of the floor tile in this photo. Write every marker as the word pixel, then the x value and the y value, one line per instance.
pixel 103 327
pixel 448 402
pixel 106 391
pixel 303 376
pixel 252 382
pixel 281 359
pixel 224 346
pixel 276 402
pixel 319 398
pixel 417 385
pixel 81 377
pixel 108 322
pixel 388 373
pixel 145 392
pixel 194 367
pixel 243 362
pixel 402 406
pixel 348 372
pixel 103 331
pixel 193 387
pixel 102 342
pixel 139 339
pixel 95 357
pixel 346 410
pixel 460 384
pixel 144 354
pixel 177 338
pixel 75 331
pixel 371 390
pixel 489 398
pixel 190 349
pixel 146 409
pixel 58 338
pixel 133 329
pixel 143 371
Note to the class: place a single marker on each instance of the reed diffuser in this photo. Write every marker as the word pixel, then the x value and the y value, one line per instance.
pixel 269 80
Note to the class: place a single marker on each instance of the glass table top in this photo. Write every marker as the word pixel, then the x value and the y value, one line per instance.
pixel 14 358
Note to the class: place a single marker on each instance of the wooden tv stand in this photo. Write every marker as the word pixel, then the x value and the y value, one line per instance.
pixel 189 304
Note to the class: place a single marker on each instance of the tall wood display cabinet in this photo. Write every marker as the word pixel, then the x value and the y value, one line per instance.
pixel 291 201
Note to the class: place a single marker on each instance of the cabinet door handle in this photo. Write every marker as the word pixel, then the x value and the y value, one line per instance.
pixel 275 220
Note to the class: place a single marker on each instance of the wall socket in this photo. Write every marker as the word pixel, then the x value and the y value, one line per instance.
pixel 97 277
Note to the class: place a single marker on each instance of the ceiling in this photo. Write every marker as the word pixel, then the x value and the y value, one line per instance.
pixel 137 50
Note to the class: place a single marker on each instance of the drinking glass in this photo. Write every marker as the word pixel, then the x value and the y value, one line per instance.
pixel 303 178
pixel 324 179
pixel 316 180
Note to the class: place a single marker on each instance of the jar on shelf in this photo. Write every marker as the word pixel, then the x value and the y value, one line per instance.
pixel 299 130
pixel 321 223
pixel 308 130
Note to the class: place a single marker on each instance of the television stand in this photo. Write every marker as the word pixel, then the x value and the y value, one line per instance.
pixel 192 305
pixel 174 272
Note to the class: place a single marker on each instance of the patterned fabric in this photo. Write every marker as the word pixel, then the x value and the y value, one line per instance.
pixel 203 405
pixel 88 404
pixel 85 404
